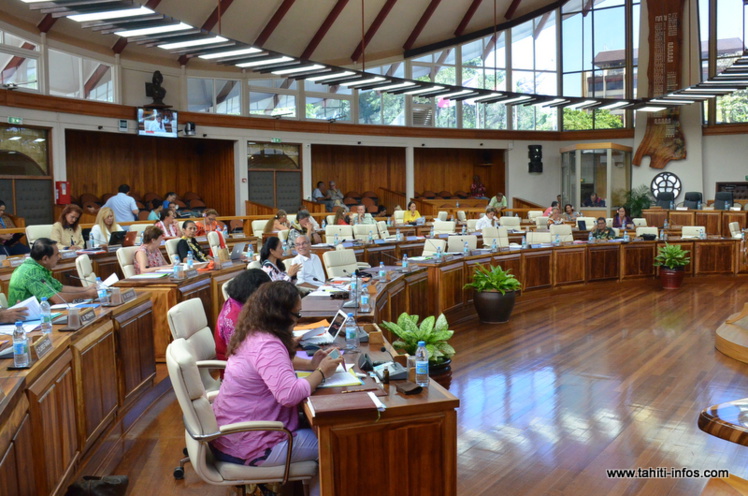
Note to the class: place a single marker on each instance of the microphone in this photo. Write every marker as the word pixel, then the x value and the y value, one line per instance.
pixel 396 371
pixel 58 293
pixel 341 288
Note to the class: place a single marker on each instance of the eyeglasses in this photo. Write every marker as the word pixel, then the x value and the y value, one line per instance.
pixel 296 314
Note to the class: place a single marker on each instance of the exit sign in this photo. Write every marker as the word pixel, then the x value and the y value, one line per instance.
pixel 275 140
pixel 15 120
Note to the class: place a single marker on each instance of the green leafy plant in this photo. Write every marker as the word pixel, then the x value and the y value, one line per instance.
pixel 638 199
pixel 434 332
pixel 672 257
pixel 493 279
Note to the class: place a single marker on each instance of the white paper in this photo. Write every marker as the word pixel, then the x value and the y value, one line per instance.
pixel 65 306
pixel 111 280
pixel 8 329
pixel 148 275
pixel 34 310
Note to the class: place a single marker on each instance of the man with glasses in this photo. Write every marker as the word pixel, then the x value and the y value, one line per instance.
pixel 311 273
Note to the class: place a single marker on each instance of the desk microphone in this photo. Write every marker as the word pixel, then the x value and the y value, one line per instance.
pixel 396 371
pixel 58 293
pixel 353 302
pixel 341 288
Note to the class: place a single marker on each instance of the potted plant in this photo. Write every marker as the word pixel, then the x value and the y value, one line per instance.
pixel 671 259
pixel 495 292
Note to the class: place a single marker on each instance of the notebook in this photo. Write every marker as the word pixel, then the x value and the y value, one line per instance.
pixel 314 337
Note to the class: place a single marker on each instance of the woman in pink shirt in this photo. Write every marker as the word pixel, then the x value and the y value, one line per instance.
pixel 260 384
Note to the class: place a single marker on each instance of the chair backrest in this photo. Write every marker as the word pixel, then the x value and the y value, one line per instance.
pixel 531 214
pixel 471 223
pixel 536 237
pixel 291 218
pixel 541 221
pixel 640 222
pixel 500 234
pixel 609 221
pixel 343 232
pixel 692 199
pixel 258 226
pixel 442 215
pixel 461 216
pixel 430 246
pixel 563 231
pixel 3 300
pixel 125 257
pixel 399 216
pixel 692 231
pixel 588 221
pixel 214 242
pixel 444 227
pixel 382 228
pixel 512 222
pixel 722 199
pixel 187 320
pixel 330 218
pixel 38 231
pixel 734 229
pixel 340 263
pixel 171 249
pixel 361 231
pixel 139 227
pixel 254 264
pixel 457 243
pixel 85 270
pixel 646 230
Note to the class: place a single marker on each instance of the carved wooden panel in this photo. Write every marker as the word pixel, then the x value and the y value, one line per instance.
pixel 510 261
pixel 682 218
pixel 569 265
pixel 711 220
pixel 445 284
pixel 17 461
pixel 379 253
pixel 603 262
pixel 418 301
pixel 536 269
pixel 410 248
pixel 637 259
pixel 730 216
pixel 714 257
pixel 134 339
pixel 398 303
pixel 655 217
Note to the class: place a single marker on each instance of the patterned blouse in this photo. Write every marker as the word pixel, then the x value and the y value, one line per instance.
pixel 274 272
pixel 169 232
pixel 154 258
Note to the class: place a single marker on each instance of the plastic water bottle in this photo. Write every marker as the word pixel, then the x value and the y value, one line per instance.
pixel 422 365
pixel 336 240
pixel 698 205
pixel 389 221
pixel 702 234
pixel 139 239
pixel 672 205
pixel 524 242
pixel 324 223
pixel 557 240
pixel 398 236
pixel 46 316
pixel 370 239
pixel 351 333
pixel 364 299
pixel 91 243
pixel 354 289
pixel 190 260
pixel 438 253
pixel 464 230
pixel 626 238
pixel 666 224
pixel 465 249
pixel 175 271
pixel 590 238
pixel 405 262
pixel 662 235
pixel 251 252
pixel 102 292
pixel 21 356
pixel 382 272
pixel 494 246
pixel 432 233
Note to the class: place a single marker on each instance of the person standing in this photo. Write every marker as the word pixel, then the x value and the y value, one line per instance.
pixel 124 206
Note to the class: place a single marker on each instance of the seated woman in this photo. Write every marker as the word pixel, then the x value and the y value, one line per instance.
pixel 66 231
pixel 341 217
pixel 148 257
pixel 488 220
pixel 260 384
pixel 555 218
pixel 188 244
pixel 104 227
pixel 278 223
pixel 239 289
pixel 304 226
pixel 622 219
pixel 7 245
pixel 570 215
pixel 209 223
pixel 168 224
pixel 270 258
pixel 157 206
pixel 411 215
pixel 602 231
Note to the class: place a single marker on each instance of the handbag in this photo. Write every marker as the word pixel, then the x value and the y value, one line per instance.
pixel 108 485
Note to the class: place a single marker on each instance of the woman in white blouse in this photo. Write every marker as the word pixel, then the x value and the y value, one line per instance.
pixel 488 220
pixel 104 227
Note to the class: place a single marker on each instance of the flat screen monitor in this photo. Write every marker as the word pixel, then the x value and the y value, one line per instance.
pixel 157 122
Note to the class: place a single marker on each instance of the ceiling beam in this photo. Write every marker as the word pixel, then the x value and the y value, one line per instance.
pixel 46 23
pixel 467 17
pixel 383 13
pixel 323 29
pixel 273 22
pixel 541 24
pixel 121 43
pixel 94 80
pixel 213 19
pixel 421 24
pixel 489 47
pixel 14 63
pixel 512 9
pixel 587 7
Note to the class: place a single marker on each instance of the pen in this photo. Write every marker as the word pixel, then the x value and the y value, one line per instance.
pixel 359 390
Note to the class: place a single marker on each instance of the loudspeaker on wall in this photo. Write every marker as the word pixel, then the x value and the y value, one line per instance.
pixel 535 153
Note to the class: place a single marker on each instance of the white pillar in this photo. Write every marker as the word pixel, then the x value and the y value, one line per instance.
pixel 409 175
pixel 306 170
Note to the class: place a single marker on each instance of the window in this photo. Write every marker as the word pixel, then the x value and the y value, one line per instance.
pixel 276 96
pixel 435 68
pixel 382 108
pixel 71 76
pixel 484 66
pixel 19 61
pixel 730 43
pixel 220 96
pixel 23 151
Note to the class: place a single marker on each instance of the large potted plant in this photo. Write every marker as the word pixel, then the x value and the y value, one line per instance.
pixel 495 293
pixel 638 199
pixel 671 259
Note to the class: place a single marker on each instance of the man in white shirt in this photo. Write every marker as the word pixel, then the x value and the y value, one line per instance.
pixel 361 216
pixel 311 273
pixel 124 206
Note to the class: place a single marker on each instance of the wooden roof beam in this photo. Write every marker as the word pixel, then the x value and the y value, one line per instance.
pixel 421 24
pixel 323 29
pixel 512 9
pixel 378 21
pixel 273 22
pixel 120 45
pixel 467 17
pixel 14 63
pixel 94 80
pixel 541 24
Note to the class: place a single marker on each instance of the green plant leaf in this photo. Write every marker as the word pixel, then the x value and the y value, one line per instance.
pixel 441 324
pixel 427 326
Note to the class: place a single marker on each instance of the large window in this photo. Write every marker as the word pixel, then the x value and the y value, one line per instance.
pixel 275 96
pixel 435 68
pixel 220 96
pixel 730 43
pixel 19 61
pixel 382 108
pixel 78 77
pixel 484 66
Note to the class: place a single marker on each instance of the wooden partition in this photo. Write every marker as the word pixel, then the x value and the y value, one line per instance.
pixel 452 169
pixel 391 199
pixel 359 168
pixel 99 162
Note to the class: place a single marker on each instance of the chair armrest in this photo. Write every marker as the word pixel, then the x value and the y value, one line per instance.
pixel 211 364
pixel 253 425
pixel 211 395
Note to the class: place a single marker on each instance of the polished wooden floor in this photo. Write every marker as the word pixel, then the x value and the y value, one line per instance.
pixel 610 375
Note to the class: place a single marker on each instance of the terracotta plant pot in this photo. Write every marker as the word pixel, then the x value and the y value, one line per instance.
pixel 494 307
pixel 671 278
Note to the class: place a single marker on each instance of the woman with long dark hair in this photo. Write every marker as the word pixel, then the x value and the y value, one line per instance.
pixel 270 258
pixel 67 231
pixel 189 244
pixel 259 382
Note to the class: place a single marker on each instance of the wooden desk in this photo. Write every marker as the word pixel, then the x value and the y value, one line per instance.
pixel 727 421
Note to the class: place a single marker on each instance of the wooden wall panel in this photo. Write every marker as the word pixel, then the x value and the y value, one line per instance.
pixel 452 169
pixel 99 162
pixel 359 168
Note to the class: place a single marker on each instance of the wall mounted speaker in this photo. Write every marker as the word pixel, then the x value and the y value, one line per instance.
pixel 535 153
pixel 189 129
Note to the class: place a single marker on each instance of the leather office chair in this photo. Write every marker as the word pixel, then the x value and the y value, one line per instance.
pixel 214 242
pixel 125 257
pixel 471 223
pixel 85 270
pixel 430 246
pixel 541 221
pixel 139 228
pixel 535 237
pixel 500 234
pixel 664 199
pixel 609 221
pixel 171 249
pixel 692 231
pixel 344 233
pixel 3 300
pixel 461 216
pixel 330 218
pixel 398 216
pixel 291 218
pixel 640 222
pixel 442 216
pixel 201 428
pixel 340 263
pixel 254 264
pixel 38 231
pixel 646 230
pixel 534 213
pixel 510 222
pixel 563 231
pixel 455 244
pixel 444 227
pixel 721 200
pixel 692 200
pixel 257 227
pixel 361 231
pixel 588 221
pixel 384 233
pixel 734 229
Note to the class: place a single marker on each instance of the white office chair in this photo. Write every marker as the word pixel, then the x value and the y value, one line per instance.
pixel 541 221
pixel 139 228
pixel 361 231
pixel 344 233
pixel 125 257
pixel 382 229
pixel 532 214
pixel 456 244
pixel 291 218
pixel 38 231
pixel 258 226
pixel 461 216
pixel 639 222
pixel 201 427
pixel 609 221
pixel 254 264
pixel 734 229
pixel 442 216
pixel 646 230
pixel 398 216
pixel 471 223
pixel 430 246
pixel 617 231
pixel 330 218
pixel 3 300
pixel 535 237
pixel 590 222
pixel 692 231
pixel 340 263
pixel 214 242
pixel 500 234
pixel 441 227
pixel 85 270
pixel 563 231
pixel 171 250
pixel 510 222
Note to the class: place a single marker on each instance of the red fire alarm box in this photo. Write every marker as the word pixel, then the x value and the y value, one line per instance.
pixel 62 192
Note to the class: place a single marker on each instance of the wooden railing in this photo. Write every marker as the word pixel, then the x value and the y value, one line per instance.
pixel 522 203
pixel 314 207
pixel 254 208
pixel 432 207
pixel 391 199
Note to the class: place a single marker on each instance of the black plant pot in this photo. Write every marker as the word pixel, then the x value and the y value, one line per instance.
pixel 494 307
